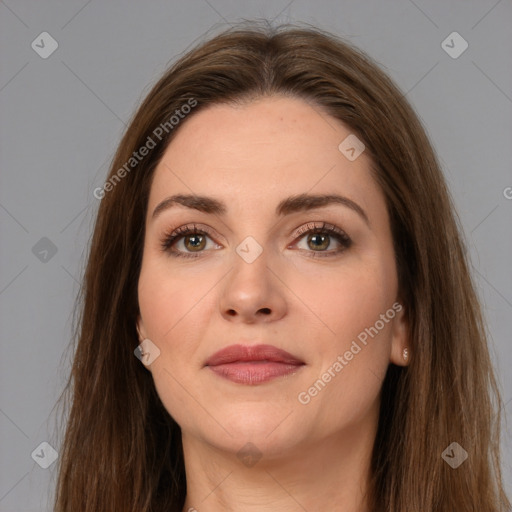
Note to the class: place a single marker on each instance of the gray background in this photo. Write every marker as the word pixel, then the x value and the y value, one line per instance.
pixel 62 118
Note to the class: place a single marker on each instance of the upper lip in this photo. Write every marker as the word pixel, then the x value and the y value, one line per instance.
pixel 234 353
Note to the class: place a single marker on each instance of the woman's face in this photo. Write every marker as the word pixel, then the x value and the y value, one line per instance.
pixel 260 277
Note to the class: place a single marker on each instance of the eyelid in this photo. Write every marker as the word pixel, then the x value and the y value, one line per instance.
pixel 319 226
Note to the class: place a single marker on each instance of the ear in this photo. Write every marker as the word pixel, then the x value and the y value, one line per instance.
pixel 141 331
pixel 400 336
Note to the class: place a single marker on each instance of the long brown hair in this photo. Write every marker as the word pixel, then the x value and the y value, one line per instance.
pixel 122 450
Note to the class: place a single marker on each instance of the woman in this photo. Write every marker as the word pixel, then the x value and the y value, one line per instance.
pixel 276 245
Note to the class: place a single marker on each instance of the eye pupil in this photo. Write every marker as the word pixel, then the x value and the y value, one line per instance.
pixel 316 236
pixel 197 242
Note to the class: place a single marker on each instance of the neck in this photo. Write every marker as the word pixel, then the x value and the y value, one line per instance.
pixel 329 474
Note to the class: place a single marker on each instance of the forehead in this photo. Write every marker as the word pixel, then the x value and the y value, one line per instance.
pixel 261 150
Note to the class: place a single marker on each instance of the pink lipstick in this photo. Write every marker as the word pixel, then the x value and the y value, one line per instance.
pixel 253 364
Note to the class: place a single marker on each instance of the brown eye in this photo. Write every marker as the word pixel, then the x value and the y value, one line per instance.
pixel 195 242
pixel 191 242
pixel 320 238
pixel 187 240
pixel 318 241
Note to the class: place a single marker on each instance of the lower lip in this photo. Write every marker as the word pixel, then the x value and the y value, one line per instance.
pixel 254 372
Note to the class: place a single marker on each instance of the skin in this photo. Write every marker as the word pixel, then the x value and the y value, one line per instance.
pixel 314 456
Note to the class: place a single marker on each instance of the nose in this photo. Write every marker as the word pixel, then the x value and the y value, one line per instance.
pixel 253 293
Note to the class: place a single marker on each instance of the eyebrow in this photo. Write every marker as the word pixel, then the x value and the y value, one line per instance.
pixel 292 204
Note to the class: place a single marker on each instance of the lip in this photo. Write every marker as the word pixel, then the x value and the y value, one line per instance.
pixel 253 364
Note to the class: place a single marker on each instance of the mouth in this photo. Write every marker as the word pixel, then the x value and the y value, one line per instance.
pixel 254 364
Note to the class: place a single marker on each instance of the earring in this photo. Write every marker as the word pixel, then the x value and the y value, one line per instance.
pixel 405 354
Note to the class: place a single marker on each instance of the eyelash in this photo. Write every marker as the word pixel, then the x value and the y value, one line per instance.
pixel 171 238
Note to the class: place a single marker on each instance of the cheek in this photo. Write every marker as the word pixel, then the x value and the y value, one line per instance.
pixel 171 309
pixel 352 362
pixel 343 302
pixel 170 299
pixel 347 308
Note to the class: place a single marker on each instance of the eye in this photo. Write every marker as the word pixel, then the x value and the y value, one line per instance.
pixel 187 240
pixel 320 237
